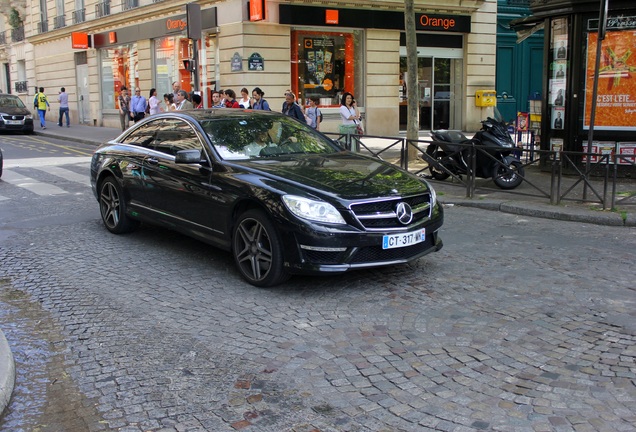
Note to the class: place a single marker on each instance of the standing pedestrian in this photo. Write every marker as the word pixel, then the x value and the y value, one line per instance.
pixel 259 102
pixel 169 101
pixel 292 109
pixel 230 99
pixel 349 114
pixel 197 101
pixel 245 102
pixel 182 101
pixel 138 106
pixel 216 100
pixel 62 98
pixel 41 103
pixel 154 103
pixel 176 86
pixel 313 112
pixel 124 108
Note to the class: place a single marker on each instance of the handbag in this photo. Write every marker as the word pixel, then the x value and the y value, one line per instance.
pixel 359 129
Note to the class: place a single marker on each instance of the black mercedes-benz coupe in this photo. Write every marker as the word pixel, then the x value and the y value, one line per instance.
pixel 283 198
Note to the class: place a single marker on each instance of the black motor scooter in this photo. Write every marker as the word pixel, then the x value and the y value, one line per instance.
pixel 494 159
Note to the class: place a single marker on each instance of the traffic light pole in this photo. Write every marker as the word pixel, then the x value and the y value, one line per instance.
pixel 195 60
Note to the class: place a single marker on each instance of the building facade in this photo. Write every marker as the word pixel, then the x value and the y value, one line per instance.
pixel 92 48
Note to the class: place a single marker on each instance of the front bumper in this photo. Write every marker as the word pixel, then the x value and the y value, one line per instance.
pixel 316 252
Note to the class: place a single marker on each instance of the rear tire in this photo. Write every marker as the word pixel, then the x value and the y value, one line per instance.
pixel 112 207
pixel 257 250
pixel 436 172
pixel 508 177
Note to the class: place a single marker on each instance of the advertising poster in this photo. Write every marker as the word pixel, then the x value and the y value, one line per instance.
pixel 522 121
pixel 560 47
pixel 628 152
pixel 558 116
pixel 556 145
pixel 319 57
pixel 616 101
pixel 600 147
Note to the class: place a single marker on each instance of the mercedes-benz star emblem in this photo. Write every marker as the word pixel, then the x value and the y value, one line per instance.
pixel 404 213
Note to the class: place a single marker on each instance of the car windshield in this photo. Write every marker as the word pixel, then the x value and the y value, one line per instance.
pixel 11 102
pixel 264 137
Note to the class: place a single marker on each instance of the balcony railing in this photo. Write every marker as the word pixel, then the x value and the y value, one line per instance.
pixel 59 21
pixel 17 34
pixel 79 16
pixel 129 4
pixel 21 87
pixel 102 9
pixel 43 26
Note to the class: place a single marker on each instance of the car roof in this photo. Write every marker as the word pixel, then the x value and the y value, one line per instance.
pixel 212 113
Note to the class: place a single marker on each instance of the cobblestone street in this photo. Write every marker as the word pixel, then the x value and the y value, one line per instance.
pixel 517 324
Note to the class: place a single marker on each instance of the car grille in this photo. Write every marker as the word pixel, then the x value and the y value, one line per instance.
pixel 377 254
pixel 381 215
pixel 12 117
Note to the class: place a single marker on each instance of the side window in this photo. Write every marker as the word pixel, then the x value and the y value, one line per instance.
pixel 175 135
pixel 144 136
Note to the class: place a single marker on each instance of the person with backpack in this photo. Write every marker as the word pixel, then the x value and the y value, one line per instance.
pixel 259 102
pixel 313 112
pixel 41 103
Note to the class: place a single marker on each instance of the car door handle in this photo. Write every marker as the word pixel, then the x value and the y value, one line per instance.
pixel 153 161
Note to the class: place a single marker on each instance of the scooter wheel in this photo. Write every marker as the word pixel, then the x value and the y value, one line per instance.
pixel 437 172
pixel 508 177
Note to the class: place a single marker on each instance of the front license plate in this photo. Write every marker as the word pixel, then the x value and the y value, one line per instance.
pixel 402 240
pixel 13 122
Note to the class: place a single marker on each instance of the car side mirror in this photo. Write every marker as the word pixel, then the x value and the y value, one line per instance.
pixel 188 157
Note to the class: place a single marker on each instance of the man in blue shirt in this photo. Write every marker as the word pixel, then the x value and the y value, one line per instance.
pixel 138 106
pixel 62 98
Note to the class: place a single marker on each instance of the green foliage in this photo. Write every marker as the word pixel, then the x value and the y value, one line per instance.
pixel 15 20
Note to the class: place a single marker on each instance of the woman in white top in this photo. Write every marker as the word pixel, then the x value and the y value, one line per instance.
pixel 168 98
pixel 349 114
pixel 154 103
pixel 244 102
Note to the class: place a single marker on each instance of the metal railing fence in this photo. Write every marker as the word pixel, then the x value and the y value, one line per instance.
pixel 568 177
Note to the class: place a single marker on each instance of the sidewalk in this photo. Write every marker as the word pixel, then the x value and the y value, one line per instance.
pixel 520 201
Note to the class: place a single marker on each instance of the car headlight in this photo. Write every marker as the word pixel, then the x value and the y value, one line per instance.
pixel 314 210
pixel 29 116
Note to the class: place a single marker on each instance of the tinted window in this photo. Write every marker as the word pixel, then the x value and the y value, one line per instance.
pixel 257 137
pixel 143 136
pixel 175 135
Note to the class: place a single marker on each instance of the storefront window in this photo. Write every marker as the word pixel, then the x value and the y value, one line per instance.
pixel 119 68
pixel 327 64
pixel 169 55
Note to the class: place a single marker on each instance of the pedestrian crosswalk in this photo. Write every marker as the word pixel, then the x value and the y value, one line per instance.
pixel 44 177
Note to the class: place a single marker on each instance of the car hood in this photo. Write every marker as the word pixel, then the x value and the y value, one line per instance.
pixel 347 175
pixel 14 111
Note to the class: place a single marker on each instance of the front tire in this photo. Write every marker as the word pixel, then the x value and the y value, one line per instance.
pixel 436 171
pixel 257 250
pixel 112 207
pixel 508 177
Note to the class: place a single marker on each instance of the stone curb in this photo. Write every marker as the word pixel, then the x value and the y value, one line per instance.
pixel 7 373
pixel 544 211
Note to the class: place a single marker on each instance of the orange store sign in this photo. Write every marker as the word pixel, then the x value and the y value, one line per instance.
pixel 443 23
